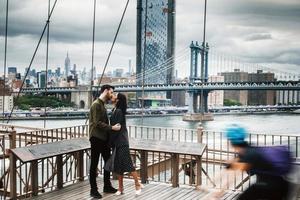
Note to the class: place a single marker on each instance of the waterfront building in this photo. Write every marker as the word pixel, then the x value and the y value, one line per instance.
pixel 2 91
pixel 287 97
pixel 236 76
pixel 216 98
pixel 261 97
pixel 8 103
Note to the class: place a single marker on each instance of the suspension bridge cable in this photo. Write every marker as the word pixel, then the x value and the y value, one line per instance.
pixel 31 61
pixel 47 56
pixel 164 66
pixel 162 70
pixel 5 56
pixel 167 61
pixel 203 60
pixel 113 44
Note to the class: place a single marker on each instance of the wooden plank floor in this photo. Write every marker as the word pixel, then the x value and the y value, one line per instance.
pixel 151 191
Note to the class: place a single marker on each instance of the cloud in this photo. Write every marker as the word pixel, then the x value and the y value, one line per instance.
pixel 259 36
pixel 256 31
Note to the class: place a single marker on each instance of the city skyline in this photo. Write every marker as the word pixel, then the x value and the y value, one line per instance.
pixel 264 32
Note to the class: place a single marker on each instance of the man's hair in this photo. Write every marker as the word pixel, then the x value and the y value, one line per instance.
pixel 104 87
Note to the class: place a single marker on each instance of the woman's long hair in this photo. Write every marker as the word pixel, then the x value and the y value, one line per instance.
pixel 122 103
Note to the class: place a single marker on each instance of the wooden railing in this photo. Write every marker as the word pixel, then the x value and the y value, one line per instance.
pixel 158 163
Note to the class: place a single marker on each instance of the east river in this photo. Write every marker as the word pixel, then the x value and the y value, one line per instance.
pixel 255 123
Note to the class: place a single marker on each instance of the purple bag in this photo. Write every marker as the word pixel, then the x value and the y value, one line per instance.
pixel 278 156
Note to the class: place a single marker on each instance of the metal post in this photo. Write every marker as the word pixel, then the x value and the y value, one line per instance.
pixel 175 169
pixel 200 133
pixel 34 178
pixel 13 167
pixel 59 163
pixel 144 166
pixel 80 166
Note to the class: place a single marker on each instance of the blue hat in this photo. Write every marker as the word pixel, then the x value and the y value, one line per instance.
pixel 236 134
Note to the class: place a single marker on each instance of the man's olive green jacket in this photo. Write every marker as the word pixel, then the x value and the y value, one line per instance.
pixel 98 121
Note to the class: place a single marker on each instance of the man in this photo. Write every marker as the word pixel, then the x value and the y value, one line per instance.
pixel 99 129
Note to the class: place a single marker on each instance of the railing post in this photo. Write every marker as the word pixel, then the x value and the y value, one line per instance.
pixel 144 166
pixel 80 165
pixel 199 171
pixel 34 178
pixel 175 169
pixel 200 133
pixel 199 158
pixel 59 163
pixel 13 167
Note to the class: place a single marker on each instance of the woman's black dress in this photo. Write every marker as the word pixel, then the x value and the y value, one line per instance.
pixel 119 141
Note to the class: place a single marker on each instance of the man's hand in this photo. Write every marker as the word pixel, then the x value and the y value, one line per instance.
pixel 116 127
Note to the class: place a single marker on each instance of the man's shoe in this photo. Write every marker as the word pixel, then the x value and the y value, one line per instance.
pixel 95 194
pixel 109 189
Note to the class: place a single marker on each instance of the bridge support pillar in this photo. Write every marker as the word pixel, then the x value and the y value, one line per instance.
pixel 198 103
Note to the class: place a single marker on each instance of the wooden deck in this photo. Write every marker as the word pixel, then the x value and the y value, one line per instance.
pixel 151 191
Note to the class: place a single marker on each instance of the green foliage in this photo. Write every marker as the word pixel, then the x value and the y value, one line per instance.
pixel 231 102
pixel 28 101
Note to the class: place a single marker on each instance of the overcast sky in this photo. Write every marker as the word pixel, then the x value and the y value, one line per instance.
pixel 257 31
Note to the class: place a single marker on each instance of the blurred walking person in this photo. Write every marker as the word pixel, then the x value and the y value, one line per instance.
pixel 269 164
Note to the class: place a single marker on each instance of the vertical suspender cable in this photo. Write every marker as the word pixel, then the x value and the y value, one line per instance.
pixel 203 60
pixel 47 56
pixel 111 48
pixel 144 59
pixel 5 56
pixel 31 61
pixel 93 51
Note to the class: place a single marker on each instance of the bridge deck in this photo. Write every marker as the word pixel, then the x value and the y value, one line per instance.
pixel 151 191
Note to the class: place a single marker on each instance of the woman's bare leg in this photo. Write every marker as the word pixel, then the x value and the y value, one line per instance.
pixel 136 180
pixel 120 180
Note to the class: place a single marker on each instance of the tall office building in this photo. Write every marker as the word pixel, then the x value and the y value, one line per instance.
pixel 12 70
pixel 41 79
pixel 160 41
pixel 67 65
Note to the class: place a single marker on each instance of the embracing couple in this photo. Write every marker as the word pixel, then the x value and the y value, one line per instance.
pixel 106 134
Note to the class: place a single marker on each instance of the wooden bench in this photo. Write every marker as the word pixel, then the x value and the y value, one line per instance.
pixel 172 147
pixel 57 149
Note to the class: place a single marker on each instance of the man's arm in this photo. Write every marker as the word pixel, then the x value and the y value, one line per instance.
pixel 98 118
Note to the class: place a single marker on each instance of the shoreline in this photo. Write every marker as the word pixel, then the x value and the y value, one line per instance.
pixel 149 115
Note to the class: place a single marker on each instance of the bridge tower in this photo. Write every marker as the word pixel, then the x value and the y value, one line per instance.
pixel 198 106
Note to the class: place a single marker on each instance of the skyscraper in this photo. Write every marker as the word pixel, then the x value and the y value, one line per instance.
pixel 160 41
pixel 41 79
pixel 67 65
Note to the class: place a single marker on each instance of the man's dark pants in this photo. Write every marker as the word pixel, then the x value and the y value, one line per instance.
pixel 98 147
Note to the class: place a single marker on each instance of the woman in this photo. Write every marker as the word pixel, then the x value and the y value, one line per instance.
pixel 119 140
